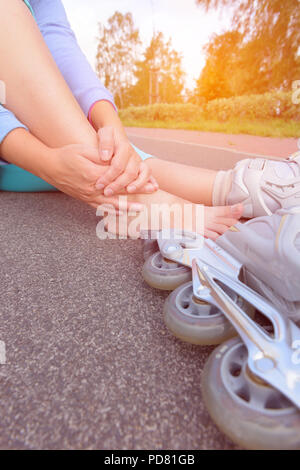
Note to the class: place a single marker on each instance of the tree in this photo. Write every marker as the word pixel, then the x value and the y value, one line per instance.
pixel 220 76
pixel 159 56
pixel 271 32
pixel 233 68
pixel 117 53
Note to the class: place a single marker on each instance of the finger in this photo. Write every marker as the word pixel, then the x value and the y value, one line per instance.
pixel 153 181
pixel 152 185
pixel 123 180
pixel 149 188
pixel 142 179
pixel 106 178
pixel 106 143
pixel 117 167
pixel 219 228
pixel 235 211
pixel 210 234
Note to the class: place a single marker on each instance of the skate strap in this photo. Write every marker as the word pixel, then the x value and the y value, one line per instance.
pixel 278 187
pixel 254 176
pixel 257 164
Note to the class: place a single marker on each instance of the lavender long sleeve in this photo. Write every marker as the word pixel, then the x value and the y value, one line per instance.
pixel 82 80
pixel 60 39
pixel 8 122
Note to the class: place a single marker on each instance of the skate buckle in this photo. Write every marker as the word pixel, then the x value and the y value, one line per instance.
pixel 184 247
pixel 275 358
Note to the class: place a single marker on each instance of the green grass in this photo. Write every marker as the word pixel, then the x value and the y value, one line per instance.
pixel 265 128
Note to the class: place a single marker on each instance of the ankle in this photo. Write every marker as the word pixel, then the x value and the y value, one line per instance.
pixel 222 187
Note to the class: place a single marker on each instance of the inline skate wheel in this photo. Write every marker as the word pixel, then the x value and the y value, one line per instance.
pixel 163 274
pixel 250 412
pixel 198 322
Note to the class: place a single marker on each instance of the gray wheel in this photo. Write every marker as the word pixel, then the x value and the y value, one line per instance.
pixel 161 273
pixel 198 322
pixel 249 411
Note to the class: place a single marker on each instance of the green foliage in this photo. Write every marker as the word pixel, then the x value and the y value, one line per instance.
pixel 270 128
pixel 117 53
pixel 161 56
pixel 162 112
pixel 221 76
pixel 259 55
pixel 125 71
pixel 265 106
pixel 252 107
pixel 266 56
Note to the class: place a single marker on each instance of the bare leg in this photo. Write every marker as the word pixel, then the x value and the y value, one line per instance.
pixel 191 183
pixel 216 220
pixel 36 91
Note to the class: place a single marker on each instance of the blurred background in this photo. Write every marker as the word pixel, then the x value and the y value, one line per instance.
pixel 221 65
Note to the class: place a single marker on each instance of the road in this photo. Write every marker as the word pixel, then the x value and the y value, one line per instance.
pixel 89 362
pixel 207 149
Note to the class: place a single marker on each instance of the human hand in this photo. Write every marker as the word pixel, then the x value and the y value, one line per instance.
pixel 74 170
pixel 127 171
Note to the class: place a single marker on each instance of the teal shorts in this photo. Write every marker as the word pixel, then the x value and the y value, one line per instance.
pixel 13 178
pixel 29 6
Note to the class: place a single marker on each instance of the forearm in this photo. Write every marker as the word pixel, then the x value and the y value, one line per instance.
pixel 24 150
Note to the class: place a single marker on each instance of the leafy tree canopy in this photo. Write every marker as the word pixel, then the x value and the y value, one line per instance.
pixel 260 54
pixel 118 49
pixel 166 63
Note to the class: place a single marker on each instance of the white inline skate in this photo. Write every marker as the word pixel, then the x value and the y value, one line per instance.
pixel 251 385
pixel 263 186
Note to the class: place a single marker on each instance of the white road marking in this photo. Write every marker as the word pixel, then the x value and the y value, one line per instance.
pixel 254 155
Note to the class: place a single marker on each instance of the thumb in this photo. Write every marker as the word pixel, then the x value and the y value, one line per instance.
pixel 106 143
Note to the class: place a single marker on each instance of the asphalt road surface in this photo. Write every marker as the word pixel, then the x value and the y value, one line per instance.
pixel 209 149
pixel 89 362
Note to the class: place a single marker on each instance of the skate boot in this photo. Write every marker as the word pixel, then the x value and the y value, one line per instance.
pixel 269 250
pixel 263 186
